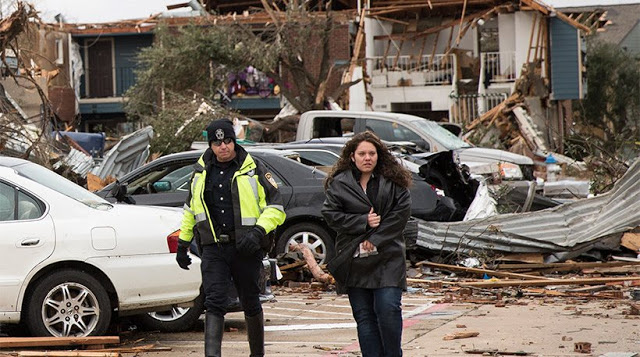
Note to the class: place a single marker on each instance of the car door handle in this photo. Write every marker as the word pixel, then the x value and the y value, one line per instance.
pixel 30 242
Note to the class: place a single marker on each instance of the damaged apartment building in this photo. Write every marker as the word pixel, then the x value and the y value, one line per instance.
pixel 505 70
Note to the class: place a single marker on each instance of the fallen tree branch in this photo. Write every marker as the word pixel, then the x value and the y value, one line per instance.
pixel 310 259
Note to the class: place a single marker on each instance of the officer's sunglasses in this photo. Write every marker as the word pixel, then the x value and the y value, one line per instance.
pixel 226 141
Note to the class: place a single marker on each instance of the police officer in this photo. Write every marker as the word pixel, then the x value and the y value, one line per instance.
pixel 233 204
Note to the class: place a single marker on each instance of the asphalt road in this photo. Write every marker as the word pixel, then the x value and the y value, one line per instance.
pixel 320 324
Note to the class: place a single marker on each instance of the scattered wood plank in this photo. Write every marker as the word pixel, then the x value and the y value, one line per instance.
pixel 562 266
pixel 135 349
pixel 459 335
pixel 631 241
pixel 67 354
pixel 543 282
pixel 623 270
pixel 293 265
pixel 13 342
pixel 498 353
pixel 480 271
pixel 523 258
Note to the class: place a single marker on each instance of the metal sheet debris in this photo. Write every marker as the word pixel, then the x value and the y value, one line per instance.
pixel 561 232
pixel 129 153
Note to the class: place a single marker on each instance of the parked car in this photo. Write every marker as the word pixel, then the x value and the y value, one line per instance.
pixel 72 261
pixel 437 170
pixel 425 134
pixel 165 182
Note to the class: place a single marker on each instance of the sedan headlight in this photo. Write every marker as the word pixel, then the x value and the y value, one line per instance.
pixel 510 171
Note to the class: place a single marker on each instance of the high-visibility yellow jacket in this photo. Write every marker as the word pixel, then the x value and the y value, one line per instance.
pixel 255 195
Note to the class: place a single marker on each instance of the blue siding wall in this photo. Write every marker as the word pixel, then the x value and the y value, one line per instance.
pixel 565 60
pixel 126 48
pixel 632 41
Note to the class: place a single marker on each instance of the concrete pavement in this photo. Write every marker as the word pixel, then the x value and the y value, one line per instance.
pixel 302 324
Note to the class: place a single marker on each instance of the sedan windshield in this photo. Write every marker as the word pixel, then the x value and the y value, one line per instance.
pixel 52 180
pixel 443 136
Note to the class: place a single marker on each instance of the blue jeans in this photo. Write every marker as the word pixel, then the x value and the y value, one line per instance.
pixel 378 314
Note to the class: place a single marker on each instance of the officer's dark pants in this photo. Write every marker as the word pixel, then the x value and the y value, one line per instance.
pixel 221 263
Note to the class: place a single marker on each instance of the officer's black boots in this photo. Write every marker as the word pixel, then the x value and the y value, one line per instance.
pixel 255 334
pixel 213 329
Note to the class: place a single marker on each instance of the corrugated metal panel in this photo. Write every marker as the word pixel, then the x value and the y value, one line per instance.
pixel 565 61
pixel 129 153
pixel 78 161
pixel 562 232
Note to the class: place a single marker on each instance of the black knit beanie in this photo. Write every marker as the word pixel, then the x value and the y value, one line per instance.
pixel 220 129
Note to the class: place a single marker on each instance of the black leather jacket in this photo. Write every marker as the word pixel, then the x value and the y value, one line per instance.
pixel 345 209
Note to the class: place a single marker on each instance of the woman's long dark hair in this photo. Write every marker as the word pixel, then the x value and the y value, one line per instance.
pixel 387 165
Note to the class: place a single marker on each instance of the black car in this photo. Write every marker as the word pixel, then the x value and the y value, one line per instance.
pixel 459 189
pixel 165 182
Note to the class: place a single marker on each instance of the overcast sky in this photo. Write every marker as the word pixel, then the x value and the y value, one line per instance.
pixel 576 3
pixel 80 11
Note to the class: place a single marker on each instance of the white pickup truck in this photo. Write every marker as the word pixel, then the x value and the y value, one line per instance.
pixel 425 134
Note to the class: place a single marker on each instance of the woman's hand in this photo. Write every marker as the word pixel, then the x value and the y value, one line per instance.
pixel 367 246
pixel 373 219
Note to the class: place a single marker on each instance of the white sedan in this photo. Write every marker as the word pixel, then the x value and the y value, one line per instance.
pixel 69 260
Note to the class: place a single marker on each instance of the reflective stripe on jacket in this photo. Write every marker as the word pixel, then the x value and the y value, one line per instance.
pixel 256 201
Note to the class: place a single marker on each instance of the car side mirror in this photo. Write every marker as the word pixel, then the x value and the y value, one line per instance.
pixel 162 186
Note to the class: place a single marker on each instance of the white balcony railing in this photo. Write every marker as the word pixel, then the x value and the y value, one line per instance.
pixel 467 107
pixel 401 71
pixel 499 67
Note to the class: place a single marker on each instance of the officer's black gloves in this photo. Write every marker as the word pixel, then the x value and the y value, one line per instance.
pixel 182 257
pixel 249 242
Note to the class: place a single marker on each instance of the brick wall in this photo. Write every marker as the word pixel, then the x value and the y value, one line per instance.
pixel 339 50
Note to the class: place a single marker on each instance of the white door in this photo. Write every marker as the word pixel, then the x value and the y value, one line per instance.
pixel 27 238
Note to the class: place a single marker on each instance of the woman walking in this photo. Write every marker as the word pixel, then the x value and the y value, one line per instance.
pixel 368 204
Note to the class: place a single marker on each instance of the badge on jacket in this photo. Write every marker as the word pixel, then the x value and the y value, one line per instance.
pixel 269 178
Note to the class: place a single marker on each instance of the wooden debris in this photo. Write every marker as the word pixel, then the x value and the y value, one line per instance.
pixel 459 335
pixel 582 347
pixel 432 284
pixel 13 342
pixel 480 271
pixel 542 282
pixel 293 265
pixel 95 183
pixel 558 267
pixel 498 353
pixel 523 257
pixel 67 354
pixel 631 241
pixel 135 349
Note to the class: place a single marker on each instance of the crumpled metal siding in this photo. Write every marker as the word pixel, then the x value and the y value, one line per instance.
pixel 129 153
pixel 563 231
pixel 78 161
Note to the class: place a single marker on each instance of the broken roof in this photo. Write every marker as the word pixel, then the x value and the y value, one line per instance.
pixel 253 12
pixel 612 23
